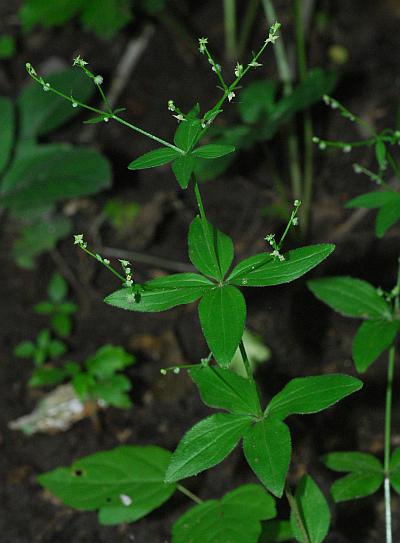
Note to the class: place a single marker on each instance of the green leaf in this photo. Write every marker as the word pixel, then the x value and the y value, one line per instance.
pixel 113 391
pixel 387 215
pixel 380 153
pixel 305 395
pixel 41 112
pixel 44 308
pixel 106 17
pixel 371 340
pixel 222 313
pixel 213 150
pixel 210 250
pixel 67 308
pixel 158 157
pixel 395 470
pixel 47 13
pixel 107 360
pixel 47 376
pixel 61 324
pixel 313 510
pixel 256 98
pixel 33 181
pixel 350 297
pixel 267 447
pixel 162 293
pixel 187 133
pixel 183 169
pixel 276 531
pixel 57 348
pixel 25 349
pixel 106 480
pixel 206 444
pixel 222 388
pixel 39 237
pixel 263 270
pixel 7 132
pixel 257 353
pixel 365 478
pixel 7 46
pixel 57 288
pixel 226 520
pixel 374 199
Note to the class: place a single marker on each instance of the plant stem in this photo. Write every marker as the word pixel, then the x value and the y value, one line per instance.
pixel 230 28
pixel 307 121
pixel 246 361
pixel 189 494
pixel 286 78
pixel 388 420
pixel 199 201
pixel 248 21
pixel 296 511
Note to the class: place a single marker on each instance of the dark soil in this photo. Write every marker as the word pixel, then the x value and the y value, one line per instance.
pixel 305 337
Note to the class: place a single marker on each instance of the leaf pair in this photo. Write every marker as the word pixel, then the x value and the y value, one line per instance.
pixel 366 474
pixel 388 204
pixel 359 299
pixel 266 438
pixel 222 309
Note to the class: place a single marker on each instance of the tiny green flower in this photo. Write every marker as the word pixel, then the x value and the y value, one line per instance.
pixel 202 45
pixel 238 69
pixel 98 79
pixel 78 61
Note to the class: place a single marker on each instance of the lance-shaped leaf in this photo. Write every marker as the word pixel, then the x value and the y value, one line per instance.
pixel 213 150
pixel 183 168
pixel 267 447
pixel 187 132
pixel 311 510
pixel 124 484
pixel 371 340
pixel 305 395
pixel 263 270
pixel 365 477
pixel 222 313
pixel 225 389
pixel 374 199
pixel 7 132
pixel 158 157
pixel 206 444
pixel 226 520
pixel 388 214
pixel 351 297
pixel 162 293
pixel 210 250
pixel 35 179
pixel 395 470
pixel 41 112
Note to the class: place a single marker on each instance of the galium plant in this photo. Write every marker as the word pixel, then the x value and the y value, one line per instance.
pixel 128 482
pixel 379 311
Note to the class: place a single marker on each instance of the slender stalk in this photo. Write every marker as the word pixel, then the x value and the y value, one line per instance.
pixel 307 121
pixel 286 78
pixel 247 25
pixel 199 201
pixel 386 465
pixel 296 511
pixel 189 494
pixel 230 28
pixel 246 361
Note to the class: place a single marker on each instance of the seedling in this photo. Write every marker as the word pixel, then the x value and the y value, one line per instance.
pixel 58 307
pixel 135 480
pixel 43 349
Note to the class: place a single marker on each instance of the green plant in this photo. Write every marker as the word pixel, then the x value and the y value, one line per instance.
pixel 60 170
pixel 105 18
pixel 58 307
pixel 380 312
pixel 128 482
pixel 44 348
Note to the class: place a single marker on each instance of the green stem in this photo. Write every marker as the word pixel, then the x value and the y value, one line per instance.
pixel 230 28
pixel 199 201
pixel 286 78
pixel 247 25
pixel 246 361
pixel 388 420
pixel 296 511
pixel 189 494
pixel 307 121
pixel 108 266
